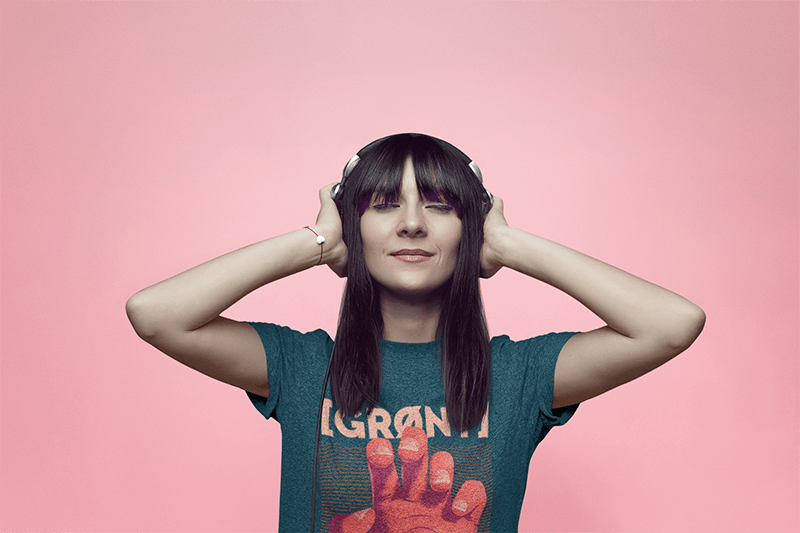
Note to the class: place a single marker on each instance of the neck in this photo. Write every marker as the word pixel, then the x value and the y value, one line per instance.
pixel 409 318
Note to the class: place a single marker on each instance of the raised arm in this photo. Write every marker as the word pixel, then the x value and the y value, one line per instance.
pixel 646 325
pixel 181 315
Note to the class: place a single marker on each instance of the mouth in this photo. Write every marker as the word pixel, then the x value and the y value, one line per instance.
pixel 415 252
pixel 412 256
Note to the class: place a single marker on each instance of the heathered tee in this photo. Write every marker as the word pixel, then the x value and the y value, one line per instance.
pixel 364 465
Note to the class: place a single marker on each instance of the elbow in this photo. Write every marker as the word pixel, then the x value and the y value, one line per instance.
pixel 141 316
pixel 686 327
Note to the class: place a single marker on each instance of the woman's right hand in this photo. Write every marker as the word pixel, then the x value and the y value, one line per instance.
pixel 329 225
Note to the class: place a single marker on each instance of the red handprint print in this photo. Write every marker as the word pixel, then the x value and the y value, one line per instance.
pixel 423 501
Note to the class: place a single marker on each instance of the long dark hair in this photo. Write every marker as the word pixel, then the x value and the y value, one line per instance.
pixel 440 169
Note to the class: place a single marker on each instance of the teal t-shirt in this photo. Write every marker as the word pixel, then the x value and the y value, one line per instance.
pixel 364 464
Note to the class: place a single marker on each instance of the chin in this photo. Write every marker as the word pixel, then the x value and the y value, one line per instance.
pixel 422 290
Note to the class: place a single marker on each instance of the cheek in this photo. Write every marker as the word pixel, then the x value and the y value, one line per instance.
pixel 455 238
pixel 370 240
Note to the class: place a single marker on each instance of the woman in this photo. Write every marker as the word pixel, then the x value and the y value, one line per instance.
pixel 415 381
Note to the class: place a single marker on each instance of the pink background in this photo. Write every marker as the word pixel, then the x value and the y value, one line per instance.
pixel 141 138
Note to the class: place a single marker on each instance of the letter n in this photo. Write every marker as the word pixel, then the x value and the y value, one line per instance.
pixel 432 421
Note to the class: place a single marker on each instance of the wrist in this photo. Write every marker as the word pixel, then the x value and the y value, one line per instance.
pixel 331 248
pixel 320 240
pixel 500 244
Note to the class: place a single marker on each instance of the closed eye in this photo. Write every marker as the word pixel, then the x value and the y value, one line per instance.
pixel 439 207
pixel 381 206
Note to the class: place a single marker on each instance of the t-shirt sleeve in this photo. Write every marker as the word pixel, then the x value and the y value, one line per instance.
pixel 529 386
pixel 549 350
pixel 291 356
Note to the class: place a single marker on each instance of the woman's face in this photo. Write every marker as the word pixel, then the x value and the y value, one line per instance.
pixel 410 244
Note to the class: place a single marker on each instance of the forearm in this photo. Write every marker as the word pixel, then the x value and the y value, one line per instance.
pixel 630 305
pixel 193 298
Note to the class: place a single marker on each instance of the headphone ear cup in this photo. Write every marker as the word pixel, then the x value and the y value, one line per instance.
pixel 336 192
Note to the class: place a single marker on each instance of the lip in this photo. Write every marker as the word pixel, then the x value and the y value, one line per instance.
pixel 416 255
pixel 415 252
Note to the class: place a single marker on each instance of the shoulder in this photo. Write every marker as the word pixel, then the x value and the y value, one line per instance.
pixel 292 356
pixel 547 344
pixel 275 333
pixel 532 360
pixel 282 343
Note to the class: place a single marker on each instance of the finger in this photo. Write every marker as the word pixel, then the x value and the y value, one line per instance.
pixel 496 215
pixel 470 501
pixel 497 203
pixel 441 472
pixel 413 451
pixel 327 207
pixel 358 522
pixel 330 223
pixel 325 192
pixel 382 474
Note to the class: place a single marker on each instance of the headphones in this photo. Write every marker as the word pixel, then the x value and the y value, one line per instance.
pixel 336 194
pixel 338 190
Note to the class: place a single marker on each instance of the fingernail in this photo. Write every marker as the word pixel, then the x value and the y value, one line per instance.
pixel 381 450
pixel 409 444
pixel 442 476
pixel 460 505
pixel 360 514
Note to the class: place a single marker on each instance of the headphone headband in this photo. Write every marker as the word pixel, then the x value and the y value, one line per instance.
pixel 336 191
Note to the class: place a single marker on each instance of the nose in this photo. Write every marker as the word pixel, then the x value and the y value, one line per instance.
pixel 412 221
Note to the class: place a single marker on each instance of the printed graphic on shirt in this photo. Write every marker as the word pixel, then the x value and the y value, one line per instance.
pixel 380 423
pixel 440 487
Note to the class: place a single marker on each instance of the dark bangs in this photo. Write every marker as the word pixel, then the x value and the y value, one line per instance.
pixel 441 173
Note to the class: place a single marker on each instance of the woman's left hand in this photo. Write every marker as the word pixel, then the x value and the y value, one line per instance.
pixel 493 225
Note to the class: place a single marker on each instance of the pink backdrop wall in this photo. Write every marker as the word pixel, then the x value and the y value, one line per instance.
pixel 141 138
